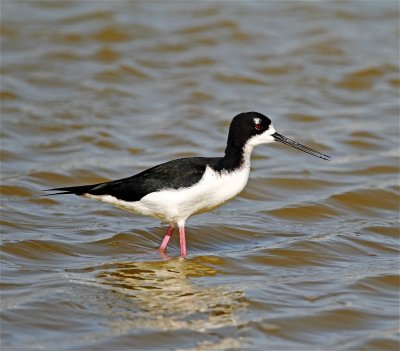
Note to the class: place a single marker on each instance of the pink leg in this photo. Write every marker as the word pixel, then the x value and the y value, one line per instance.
pixel 182 240
pixel 167 236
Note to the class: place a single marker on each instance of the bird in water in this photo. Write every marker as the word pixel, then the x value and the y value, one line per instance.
pixel 175 190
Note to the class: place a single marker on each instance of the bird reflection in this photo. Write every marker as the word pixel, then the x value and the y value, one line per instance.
pixel 167 298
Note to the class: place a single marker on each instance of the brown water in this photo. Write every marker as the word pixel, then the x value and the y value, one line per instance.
pixel 306 258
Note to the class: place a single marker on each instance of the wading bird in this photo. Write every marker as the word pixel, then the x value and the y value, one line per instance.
pixel 175 190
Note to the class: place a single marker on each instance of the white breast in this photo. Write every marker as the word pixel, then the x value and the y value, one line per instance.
pixel 175 206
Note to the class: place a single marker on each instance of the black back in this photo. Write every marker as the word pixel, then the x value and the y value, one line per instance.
pixel 174 174
pixel 180 173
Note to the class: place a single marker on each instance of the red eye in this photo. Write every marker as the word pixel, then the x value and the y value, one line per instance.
pixel 258 126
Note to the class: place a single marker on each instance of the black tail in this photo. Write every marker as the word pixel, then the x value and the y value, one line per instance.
pixel 77 190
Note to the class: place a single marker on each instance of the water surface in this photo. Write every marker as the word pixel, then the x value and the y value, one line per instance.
pixel 306 258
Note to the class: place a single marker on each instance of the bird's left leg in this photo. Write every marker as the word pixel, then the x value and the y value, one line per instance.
pixel 167 236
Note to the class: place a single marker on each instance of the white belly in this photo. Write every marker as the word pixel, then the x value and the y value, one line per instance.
pixel 176 206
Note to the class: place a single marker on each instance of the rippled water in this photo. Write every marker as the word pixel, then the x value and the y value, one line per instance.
pixel 306 258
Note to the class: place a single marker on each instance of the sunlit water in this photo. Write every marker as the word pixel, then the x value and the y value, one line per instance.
pixel 306 258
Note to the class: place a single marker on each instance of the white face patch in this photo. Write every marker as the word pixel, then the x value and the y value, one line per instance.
pixel 263 138
pixel 257 120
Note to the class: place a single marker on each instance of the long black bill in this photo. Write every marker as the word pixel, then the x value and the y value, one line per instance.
pixel 282 139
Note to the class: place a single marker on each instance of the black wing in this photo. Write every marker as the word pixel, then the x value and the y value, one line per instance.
pixel 175 174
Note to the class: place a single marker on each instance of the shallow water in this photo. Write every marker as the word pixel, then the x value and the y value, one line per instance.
pixel 306 258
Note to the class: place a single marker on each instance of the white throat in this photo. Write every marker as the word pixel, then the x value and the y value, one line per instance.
pixel 263 138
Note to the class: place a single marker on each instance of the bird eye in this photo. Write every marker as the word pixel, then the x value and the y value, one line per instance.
pixel 258 126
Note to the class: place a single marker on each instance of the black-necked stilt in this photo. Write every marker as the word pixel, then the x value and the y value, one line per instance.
pixel 175 190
